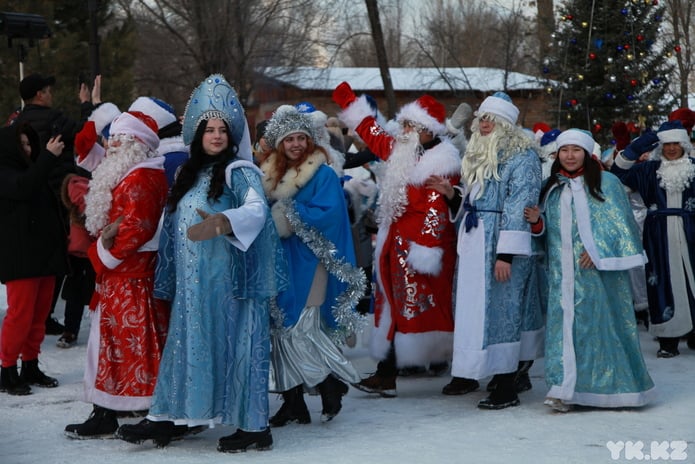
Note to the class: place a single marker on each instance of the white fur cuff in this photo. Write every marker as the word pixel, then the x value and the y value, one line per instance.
pixel 279 213
pixel 355 113
pixel 425 260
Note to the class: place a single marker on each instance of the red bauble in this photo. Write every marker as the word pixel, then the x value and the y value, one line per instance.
pixel 592 56
pixel 597 128
pixel 633 82
pixel 640 37
pixel 677 48
pixel 574 102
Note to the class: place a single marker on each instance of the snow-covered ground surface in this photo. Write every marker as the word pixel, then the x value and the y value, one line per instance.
pixel 420 425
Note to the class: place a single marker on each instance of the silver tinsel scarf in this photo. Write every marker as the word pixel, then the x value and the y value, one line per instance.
pixel 348 320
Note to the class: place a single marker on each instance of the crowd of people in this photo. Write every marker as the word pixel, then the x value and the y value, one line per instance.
pixel 220 267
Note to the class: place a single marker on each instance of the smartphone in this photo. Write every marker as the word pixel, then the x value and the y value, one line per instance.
pixel 56 129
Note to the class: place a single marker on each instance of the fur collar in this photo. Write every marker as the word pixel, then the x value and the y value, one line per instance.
pixel 443 160
pixel 293 180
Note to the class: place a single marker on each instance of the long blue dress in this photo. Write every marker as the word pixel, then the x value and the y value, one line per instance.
pixel 215 365
pixel 592 350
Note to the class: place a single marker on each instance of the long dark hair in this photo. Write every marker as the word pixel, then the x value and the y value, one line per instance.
pixel 189 170
pixel 592 176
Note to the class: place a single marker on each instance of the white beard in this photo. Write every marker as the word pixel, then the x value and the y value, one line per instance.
pixel 117 162
pixel 392 186
pixel 480 160
pixel 675 176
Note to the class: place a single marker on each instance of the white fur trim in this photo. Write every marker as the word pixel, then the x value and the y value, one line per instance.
pixel 92 159
pixel 294 179
pixel 622 162
pixel 443 159
pixel 103 114
pixel 279 213
pixel 576 137
pixel 109 260
pixel 355 113
pixel 152 109
pixel 514 242
pixel 425 260
pixel 172 144
pixel 673 136
pixel 421 349
pixel 499 107
pixel 414 112
pixel 128 124
pixel 239 164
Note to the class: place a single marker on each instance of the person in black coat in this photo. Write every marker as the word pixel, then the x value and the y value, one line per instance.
pixel 33 250
pixel 37 94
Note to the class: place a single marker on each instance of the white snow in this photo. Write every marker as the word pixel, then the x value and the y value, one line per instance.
pixel 420 425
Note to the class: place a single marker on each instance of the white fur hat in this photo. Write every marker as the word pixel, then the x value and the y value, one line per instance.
pixel 577 137
pixel 500 104
pixel 129 124
pixel 673 132
pixel 158 110
pixel 102 116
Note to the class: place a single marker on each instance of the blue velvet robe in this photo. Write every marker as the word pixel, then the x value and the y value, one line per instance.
pixel 671 315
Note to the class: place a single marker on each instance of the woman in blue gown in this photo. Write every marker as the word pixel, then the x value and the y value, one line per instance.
pixel 592 350
pixel 318 309
pixel 219 275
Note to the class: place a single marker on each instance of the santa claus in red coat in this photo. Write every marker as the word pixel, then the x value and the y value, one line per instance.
pixel 124 204
pixel 415 247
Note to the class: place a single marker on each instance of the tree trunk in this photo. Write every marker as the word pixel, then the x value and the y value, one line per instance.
pixel 546 26
pixel 378 37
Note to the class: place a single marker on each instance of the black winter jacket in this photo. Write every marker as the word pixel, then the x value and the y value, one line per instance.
pixel 33 241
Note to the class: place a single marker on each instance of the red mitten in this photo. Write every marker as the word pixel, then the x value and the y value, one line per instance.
pixel 85 140
pixel 343 95
pixel 621 135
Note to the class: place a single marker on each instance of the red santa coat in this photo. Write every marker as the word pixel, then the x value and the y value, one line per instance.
pixel 416 257
pixel 124 353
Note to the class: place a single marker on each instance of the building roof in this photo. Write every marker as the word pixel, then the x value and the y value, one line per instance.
pixel 405 79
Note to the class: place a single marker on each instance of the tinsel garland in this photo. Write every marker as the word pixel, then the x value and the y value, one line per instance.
pixel 348 320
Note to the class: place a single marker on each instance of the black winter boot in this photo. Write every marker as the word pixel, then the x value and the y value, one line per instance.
pixel 241 440
pixel 12 383
pixel 668 347
pixel 522 381
pixel 504 395
pixel 102 423
pixel 293 408
pixel 32 375
pixel 332 391
pixel 460 386
pixel 160 432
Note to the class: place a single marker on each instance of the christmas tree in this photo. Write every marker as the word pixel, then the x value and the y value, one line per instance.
pixel 609 62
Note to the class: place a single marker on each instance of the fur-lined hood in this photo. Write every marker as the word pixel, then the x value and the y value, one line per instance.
pixel 293 180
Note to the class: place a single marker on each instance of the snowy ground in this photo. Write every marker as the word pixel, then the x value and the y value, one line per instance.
pixel 420 425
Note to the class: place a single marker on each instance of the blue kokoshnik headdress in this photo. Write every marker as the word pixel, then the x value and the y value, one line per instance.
pixel 214 98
